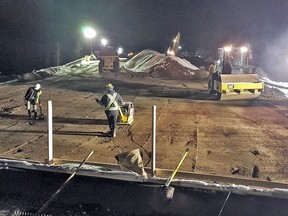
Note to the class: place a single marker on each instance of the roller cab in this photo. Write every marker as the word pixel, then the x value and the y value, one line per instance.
pixel 234 78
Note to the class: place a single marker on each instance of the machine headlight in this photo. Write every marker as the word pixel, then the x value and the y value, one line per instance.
pixel 230 86
pixel 243 49
pixel 228 49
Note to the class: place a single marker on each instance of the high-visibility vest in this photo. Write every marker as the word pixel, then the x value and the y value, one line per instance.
pixel 112 101
pixel 37 99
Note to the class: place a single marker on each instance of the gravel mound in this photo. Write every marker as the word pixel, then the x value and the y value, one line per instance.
pixel 160 65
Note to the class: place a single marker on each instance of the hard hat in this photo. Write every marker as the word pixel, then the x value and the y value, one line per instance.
pixel 109 86
pixel 38 86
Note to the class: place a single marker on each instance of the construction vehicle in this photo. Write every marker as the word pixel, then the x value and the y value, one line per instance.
pixel 233 77
pixel 109 59
pixel 126 114
pixel 175 47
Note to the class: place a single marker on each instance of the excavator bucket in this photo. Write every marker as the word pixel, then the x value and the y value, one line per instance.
pixel 238 86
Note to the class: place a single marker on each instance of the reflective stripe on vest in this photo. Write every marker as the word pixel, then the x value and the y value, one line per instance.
pixel 37 99
pixel 112 101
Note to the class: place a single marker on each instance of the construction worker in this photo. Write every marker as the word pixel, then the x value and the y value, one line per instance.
pixel 212 68
pixel 227 68
pixel 112 101
pixel 32 100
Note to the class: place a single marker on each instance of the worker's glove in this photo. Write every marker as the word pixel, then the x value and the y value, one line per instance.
pixel 97 100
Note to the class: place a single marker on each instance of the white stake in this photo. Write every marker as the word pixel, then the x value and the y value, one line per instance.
pixel 153 159
pixel 50 132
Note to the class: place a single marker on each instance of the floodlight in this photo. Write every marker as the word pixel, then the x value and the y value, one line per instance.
pixel 120 50
pixel 104 42
pixel 89 32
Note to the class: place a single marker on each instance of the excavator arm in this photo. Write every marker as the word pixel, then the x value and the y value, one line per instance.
pixel 174 50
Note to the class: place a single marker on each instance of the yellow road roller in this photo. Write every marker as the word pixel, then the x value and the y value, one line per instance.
pixel 232 77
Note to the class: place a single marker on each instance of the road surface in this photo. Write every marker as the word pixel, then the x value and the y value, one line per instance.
pixel 245 139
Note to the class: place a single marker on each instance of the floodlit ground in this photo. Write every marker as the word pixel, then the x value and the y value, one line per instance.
pixel 246 139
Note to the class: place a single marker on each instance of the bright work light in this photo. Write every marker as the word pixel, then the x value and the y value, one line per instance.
pixel 243 49
pixel 227 49
pixel 89 32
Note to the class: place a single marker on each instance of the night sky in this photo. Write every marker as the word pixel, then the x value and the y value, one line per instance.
pixel 33 31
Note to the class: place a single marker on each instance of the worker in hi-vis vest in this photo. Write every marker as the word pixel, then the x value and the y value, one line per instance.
pixel 112 102
pixel 32 100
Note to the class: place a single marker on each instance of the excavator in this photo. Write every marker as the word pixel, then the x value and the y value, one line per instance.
pixel 232 77
pixel 175 47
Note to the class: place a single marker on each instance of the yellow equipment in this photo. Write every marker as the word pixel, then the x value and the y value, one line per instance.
pixel 126 114
pixel 234 78
pixel 174 50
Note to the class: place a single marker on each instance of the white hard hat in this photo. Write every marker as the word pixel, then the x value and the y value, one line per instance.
pixel 38 86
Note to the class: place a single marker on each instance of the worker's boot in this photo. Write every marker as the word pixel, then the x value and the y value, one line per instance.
pixel 35 115
pixel 29 114
pixel 114 133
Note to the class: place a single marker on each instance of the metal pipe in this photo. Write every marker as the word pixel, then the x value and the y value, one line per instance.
pixel 63 185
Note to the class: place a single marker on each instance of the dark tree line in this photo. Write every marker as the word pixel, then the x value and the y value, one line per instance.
pixel 33 38
pixel 42 33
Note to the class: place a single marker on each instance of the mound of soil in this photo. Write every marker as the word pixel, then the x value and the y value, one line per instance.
pixel 171 68
pixel 159 65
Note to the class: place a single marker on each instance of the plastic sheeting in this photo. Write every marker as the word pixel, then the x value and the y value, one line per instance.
pixel 131 161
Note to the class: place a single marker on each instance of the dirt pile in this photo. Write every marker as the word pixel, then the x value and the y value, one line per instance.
pixel 159 65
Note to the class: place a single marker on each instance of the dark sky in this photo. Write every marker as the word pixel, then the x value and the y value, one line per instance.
pixel 140 24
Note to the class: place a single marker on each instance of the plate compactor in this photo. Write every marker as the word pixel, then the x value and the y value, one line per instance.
pixel 126 114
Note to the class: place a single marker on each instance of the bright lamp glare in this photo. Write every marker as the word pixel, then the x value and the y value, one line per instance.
pixel 243 49
pixel 227 49
pixel 104 42
pixel 89 33
pixel 120 50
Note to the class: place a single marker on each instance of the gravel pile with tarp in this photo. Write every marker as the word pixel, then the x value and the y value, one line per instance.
pixel 77 66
